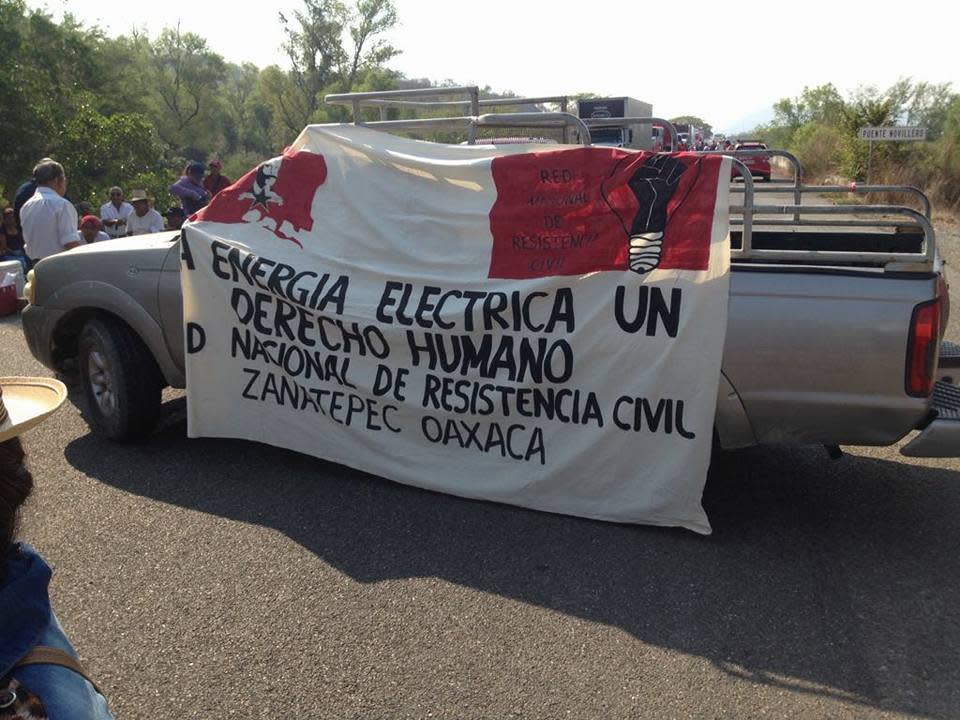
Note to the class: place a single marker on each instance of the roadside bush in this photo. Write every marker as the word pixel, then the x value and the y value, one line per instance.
pixel 817 146
pixel 948 150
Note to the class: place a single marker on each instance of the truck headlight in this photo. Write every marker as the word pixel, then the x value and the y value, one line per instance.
pixel 28 288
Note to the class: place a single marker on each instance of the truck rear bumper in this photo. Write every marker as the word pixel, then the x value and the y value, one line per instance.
pixel 941 437
pixel 949 365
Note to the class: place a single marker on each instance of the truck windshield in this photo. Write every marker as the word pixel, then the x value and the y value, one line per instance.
pixel 606 136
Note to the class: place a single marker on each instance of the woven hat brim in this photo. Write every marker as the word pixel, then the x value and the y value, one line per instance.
pixel 29 401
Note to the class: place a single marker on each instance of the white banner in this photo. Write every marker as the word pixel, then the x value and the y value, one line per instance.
pixel 541 326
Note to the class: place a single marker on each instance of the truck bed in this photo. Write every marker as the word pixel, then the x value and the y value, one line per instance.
pixel 902 241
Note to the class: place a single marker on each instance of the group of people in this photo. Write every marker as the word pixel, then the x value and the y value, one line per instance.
pixel 710 145
pixel 43 222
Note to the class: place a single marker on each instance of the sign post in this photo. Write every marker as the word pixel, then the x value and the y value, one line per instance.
pixel 889 133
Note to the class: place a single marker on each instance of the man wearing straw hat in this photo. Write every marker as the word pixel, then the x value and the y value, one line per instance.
pixel 144 219
pixel 40 676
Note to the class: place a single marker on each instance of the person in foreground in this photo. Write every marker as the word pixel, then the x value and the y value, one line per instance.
pixel 40 676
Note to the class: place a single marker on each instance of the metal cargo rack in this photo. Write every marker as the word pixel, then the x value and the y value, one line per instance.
pixel 568 123
pixel 791 219
pixel 912 226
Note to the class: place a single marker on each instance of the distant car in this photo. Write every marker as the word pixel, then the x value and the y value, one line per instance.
pixel 758 165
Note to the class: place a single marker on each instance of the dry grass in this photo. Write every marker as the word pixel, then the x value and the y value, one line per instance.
pixel 944 212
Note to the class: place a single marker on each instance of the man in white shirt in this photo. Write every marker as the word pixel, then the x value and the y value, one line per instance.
pixel 114 214
pixel 49 221
pixel 144 219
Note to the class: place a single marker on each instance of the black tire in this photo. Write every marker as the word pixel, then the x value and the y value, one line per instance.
pixel 120 379
pixel 764 178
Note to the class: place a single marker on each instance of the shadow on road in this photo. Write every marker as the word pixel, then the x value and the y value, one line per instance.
pixel 832 578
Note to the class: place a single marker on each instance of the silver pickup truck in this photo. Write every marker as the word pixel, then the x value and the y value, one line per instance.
pixel 834 332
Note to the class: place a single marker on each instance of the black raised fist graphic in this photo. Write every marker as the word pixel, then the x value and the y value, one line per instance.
pixel 653 184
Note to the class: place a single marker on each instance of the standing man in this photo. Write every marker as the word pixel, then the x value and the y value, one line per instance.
pixel 49 221
pixel 114 214
pixel 189 188
pixel 144 219
pixel 215 182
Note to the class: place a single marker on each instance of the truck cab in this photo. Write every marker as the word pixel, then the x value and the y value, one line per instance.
pixel 636 137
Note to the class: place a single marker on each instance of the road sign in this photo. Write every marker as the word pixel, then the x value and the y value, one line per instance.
pixel 892 132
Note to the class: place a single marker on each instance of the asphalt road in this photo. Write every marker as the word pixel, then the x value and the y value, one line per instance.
pixel 213 578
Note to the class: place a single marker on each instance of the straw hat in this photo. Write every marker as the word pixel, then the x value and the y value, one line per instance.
pixel 138 195
pixel 26 401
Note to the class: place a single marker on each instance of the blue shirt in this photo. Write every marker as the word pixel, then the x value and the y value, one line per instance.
pixel 26 621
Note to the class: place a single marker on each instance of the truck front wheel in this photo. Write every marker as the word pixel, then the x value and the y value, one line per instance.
pixel 120 379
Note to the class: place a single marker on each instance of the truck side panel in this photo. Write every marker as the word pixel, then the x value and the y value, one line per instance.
pixel 819 356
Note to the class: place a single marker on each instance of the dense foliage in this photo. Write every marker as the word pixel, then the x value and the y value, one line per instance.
pixel 133 110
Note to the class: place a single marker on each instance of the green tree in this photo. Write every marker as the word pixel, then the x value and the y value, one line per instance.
pixel 124 65
pixel 99 151
pixel 315 48
pixel 868 109
pixel 186 77
pixel 926 105
pixel 323 62
pixel 287 111
pixel 246 117
pixel 370 20
pixel 42 66
pixel 821 104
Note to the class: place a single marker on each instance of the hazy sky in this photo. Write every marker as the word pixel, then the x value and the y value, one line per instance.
pixel 728 69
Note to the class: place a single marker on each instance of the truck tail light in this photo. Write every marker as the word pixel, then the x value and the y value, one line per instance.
pixel 943 292
pixel 922 348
